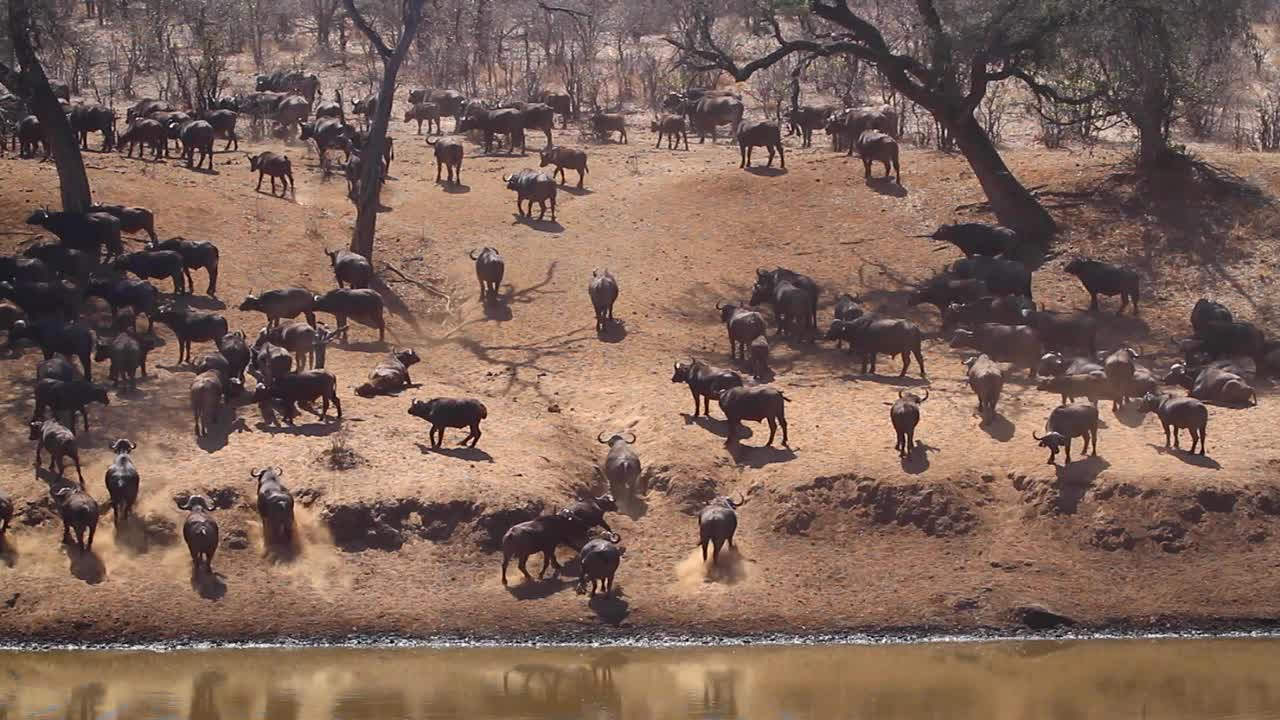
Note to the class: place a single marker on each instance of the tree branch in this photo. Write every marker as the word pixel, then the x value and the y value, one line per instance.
pixel 368 30
pixel 565 10
pixel 1046 91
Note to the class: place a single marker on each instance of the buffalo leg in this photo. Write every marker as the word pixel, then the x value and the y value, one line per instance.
pixel 704 542
pixel 910 445
pixel 1093 435
pixel 906 363
pixel 93 530
pixel 1124 303
pixel 506 558
pixel 66 533
pixel 474 436
pixel 1093 301
pixel 697 410
pixel 773 430
pixel 782 157
pixel 1068 460
pixel 1166 435
pixel 770 162
pixel 715 551
pixel 866 166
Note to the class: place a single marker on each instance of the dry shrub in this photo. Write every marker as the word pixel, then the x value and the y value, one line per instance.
pixel 340 455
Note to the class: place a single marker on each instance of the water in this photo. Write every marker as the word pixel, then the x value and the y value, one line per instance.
pixel 1166 679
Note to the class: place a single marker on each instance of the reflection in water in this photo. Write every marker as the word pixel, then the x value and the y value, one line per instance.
pixel 1174 679
pixel 203 705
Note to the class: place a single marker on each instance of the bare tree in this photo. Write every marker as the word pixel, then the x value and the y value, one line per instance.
pixel 29 82
pixel 368 199
pixel 945 65
pixel 1153 62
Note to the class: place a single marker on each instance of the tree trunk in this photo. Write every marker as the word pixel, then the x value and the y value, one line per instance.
pixel 1013 205
pixel 369 198
pixel 33 86
pixel 1153 138
pixel 324 22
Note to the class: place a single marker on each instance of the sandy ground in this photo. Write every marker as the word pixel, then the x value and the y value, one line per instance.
pixel 839 532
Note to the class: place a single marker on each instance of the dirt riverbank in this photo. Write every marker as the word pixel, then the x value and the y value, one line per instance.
pixel 974 532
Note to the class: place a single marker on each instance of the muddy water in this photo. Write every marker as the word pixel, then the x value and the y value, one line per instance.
pixel 1168 679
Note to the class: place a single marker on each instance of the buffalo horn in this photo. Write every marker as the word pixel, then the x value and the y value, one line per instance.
pixel 612 537
pixel 1034 436
pixel 600 438
pixel 633 437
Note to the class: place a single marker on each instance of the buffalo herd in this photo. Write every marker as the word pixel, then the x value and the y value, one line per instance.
pixel 984 302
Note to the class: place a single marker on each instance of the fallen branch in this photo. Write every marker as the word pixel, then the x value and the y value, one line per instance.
pixel 429 288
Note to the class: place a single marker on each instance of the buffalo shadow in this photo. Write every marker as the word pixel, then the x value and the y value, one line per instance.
pixel 998 428
pixel 758 457
pixel 131 534
pixel 611 609
pixel 316 428
pixel 917 459
pixel 220 433
pixel 1129 416
pixel 717 427
pixel 52 478
pixel 86 565
pixel 765 171
pixel 548 226
pixel 498 309
pixel 615 331
pixel 203 302
pixel 902 381
pixel 1185 456
pixel 1074 480
pixel 453 188
pixel 535 589
pixel 576 191
pixel 208 585
pixel 468 454
pixel 377 347
pixel 886 186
